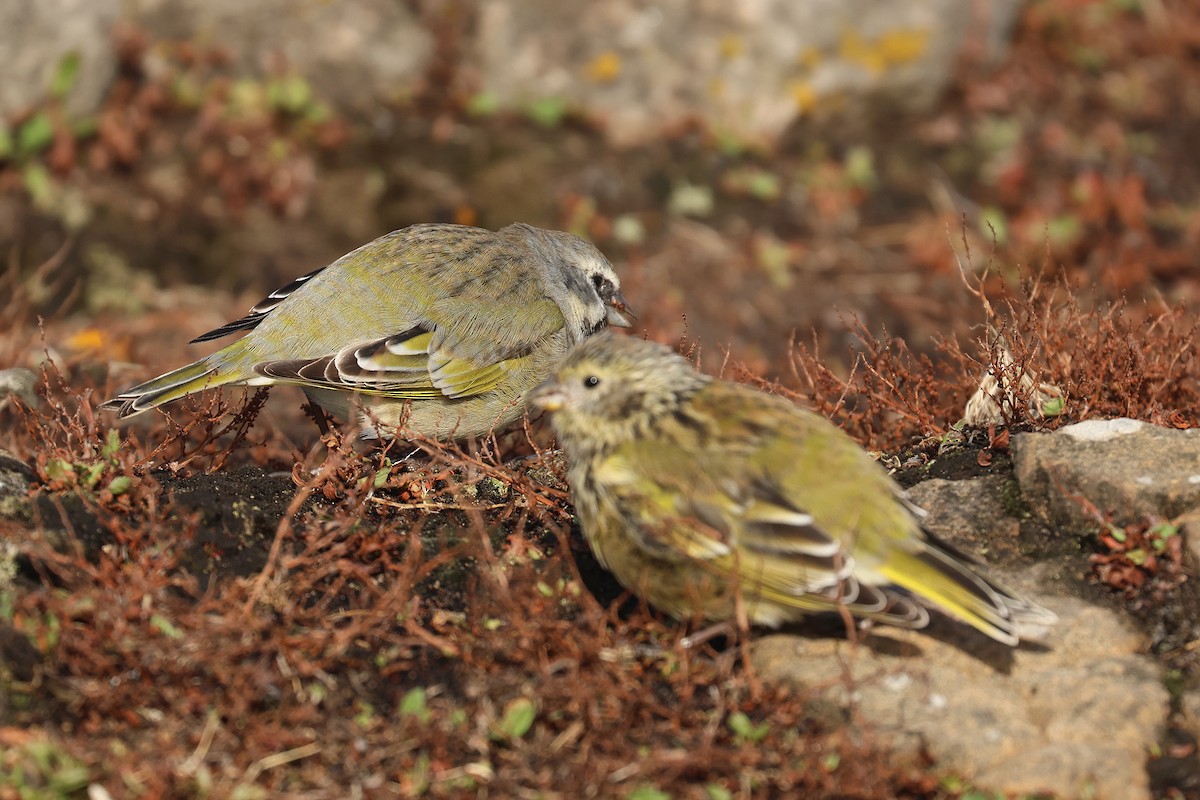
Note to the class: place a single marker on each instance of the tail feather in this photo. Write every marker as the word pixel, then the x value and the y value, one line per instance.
pixel 956 587
pixel 199 375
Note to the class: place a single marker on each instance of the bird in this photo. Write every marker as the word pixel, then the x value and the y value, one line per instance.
pixel 693 490
pixel 436 329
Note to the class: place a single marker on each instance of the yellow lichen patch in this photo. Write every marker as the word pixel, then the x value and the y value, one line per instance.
pixel 604 68
pixel 904 46
pixel 88 340
pixel 804 94
pixel 96 342
pixel 855 49
pixel 900 46
pixel 809 58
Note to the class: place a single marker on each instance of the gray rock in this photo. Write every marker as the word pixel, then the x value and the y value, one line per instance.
pixel 1075 717
pixel 355 54
pixel 1132 469
pixel 749 69
pixel 18 382
pixel 35 36
pixel 15 478
pixel 970 513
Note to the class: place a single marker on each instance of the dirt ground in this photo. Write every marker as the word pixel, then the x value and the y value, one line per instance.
pixel 220 602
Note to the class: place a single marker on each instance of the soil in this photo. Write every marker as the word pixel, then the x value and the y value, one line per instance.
pixel 265 611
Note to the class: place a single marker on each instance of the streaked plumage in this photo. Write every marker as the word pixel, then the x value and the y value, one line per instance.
pixel 681 481
pixel 442 327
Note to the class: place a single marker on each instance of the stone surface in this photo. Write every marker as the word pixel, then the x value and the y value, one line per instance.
pixel 970 513
pixel 18 382
pixel 357 54
pixel 749 68
pixel 35 36
pixel 15 478
pixel 1074 716
pixel 1132 469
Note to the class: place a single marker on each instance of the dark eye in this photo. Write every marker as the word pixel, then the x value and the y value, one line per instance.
pixel 591 382
pixel 598 281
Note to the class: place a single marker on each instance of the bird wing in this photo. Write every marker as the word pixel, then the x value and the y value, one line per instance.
pixel 404 366
pixel 258 311
pixel 717 489
pixel 678 508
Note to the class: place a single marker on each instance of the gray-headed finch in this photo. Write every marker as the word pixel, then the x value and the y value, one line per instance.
pixel 440 328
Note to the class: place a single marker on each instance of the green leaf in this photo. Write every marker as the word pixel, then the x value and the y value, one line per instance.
pixel 291 94
pixel 65 76
pixel 741 725
pixel 1165 530
pixel 112 443
pixel 1064 230
pixel 39 185
pixel 84 127
pixel 6 142
pixel 1053 407
pixel 119 485
pixel 59 469
pixel 994 223
pixel 860 167
pixel 381 477
pixel 91 475
pixel 548 111
pixel 688 200
pixel 419 778
pixel 483 104
pixel 165 626
pixel 365 717
pixel 764 185
pixel 518 718
pixel 35 135
pixel 413 704
pixel 716 792
pixel 648 793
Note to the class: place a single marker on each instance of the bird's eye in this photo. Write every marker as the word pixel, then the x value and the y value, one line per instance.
pixel 598 281
pixel 591 382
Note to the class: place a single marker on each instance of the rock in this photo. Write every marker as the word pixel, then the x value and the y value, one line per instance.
pixel 15 477
pixel 748 69
pixel 1074 717
pixel 35 36
pixel 19 659
pixel 357 55
pixel 18 382
pixel 970 514
pixel 1132 469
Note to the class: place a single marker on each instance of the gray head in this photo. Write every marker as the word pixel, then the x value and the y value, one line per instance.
pixel 577 277
pixel 611 386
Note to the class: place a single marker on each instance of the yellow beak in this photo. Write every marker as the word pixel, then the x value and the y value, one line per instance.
pixel 547 395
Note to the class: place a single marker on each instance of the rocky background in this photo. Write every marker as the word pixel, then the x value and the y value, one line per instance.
pixel 875 208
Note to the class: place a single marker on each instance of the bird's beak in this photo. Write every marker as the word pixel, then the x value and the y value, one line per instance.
pixel 547 395
pixel 617 308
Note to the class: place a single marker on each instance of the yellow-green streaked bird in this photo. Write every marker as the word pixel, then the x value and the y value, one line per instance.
pixel 441 328
pixel 685 485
